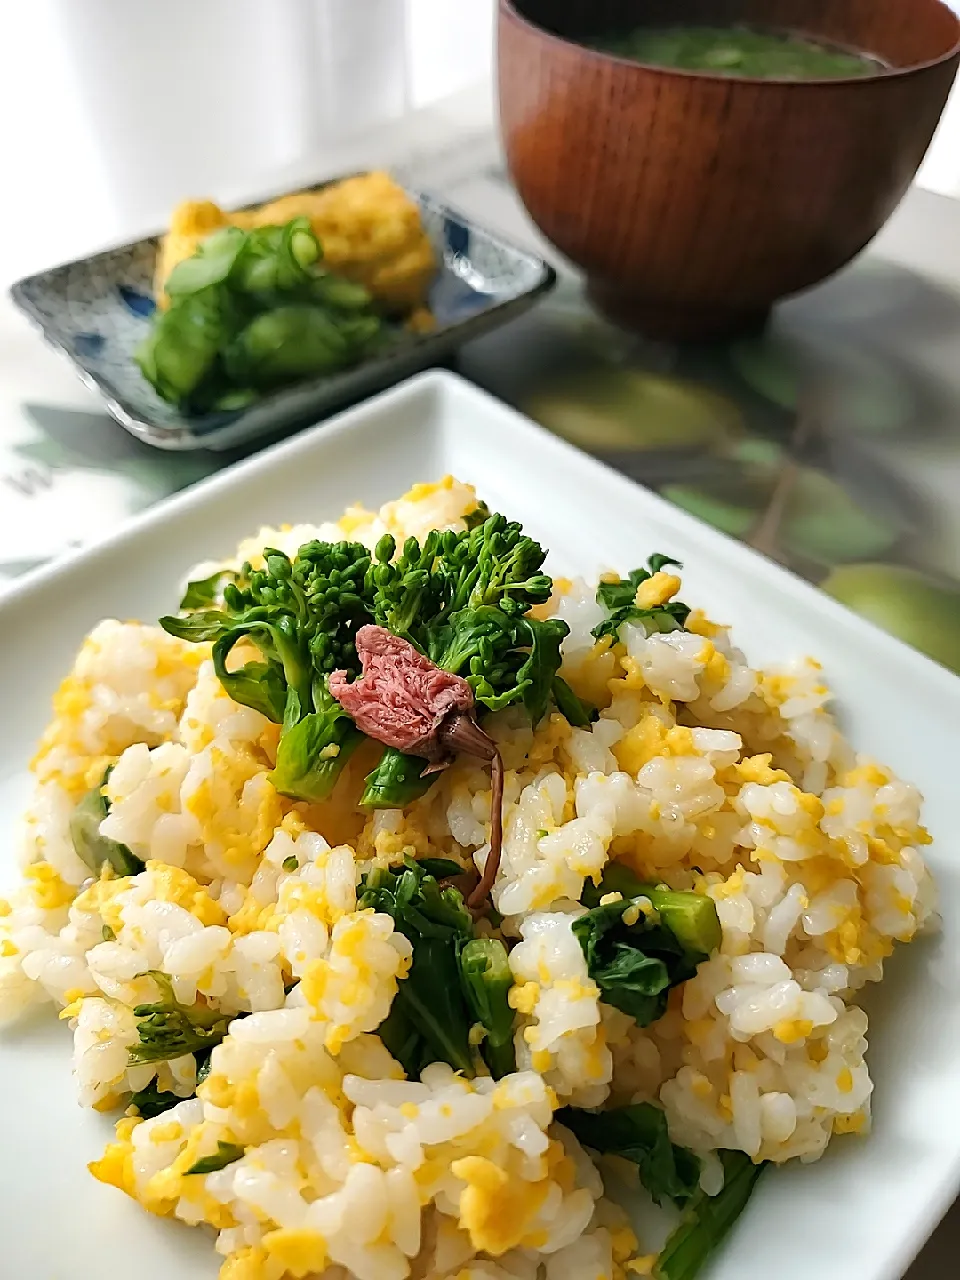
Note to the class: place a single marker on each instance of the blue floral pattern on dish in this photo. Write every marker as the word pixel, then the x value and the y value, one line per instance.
pixel 138 304
pixel 88 346
pixel 97 310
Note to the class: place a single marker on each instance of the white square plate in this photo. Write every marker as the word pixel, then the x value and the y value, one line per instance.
pixel 860 1214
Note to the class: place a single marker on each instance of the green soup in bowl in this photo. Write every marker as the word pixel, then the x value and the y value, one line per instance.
pixel 739 50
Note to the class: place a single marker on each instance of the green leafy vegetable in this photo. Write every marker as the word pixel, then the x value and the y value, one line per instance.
pixel 95 849
pixel 639 1133
pixel 619 600
pixel 440 868
pixel 302 615
pixel 574 710
pixel 251 310
pixel 487 979
pixel 204 1060
pixel 291 863
pixel 691 917
pixel 204 592
pixel 636 965
pixel 454 979
pixel 707 1220
pixel 152 1101
pixel 226 1153
pixel 313 750
pixel 168 1029
pixel 259 685
pixel 404 1041
pixel 396 781
pixel 429 999
pixel 107 934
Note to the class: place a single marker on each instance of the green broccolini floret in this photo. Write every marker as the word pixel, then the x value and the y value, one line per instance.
pixel 462 598
pixel 494 564
pixel 302 615
pixel 169 1029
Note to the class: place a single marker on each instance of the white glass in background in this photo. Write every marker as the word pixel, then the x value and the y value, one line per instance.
pixel 122 109
pixel 450 44
pixel 185 96
pixel 941 169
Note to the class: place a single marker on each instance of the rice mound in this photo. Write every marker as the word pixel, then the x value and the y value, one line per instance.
pixel 701 772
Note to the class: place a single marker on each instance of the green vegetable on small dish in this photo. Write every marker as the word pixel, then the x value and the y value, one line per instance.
pixel 251 311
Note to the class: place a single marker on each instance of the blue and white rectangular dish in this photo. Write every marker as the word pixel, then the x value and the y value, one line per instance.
pixel 96 311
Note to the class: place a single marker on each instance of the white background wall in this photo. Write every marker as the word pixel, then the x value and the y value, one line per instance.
pixel 941 169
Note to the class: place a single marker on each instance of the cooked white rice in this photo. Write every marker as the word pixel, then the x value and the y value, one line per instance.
pixel 701 772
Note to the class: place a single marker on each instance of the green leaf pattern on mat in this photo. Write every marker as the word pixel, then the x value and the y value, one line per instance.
pixel 822 522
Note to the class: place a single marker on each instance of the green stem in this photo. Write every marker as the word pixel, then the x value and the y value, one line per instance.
pixel 707 1220
pixel 396 781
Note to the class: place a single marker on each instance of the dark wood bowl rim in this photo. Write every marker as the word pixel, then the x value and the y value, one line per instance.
pixel 889 73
